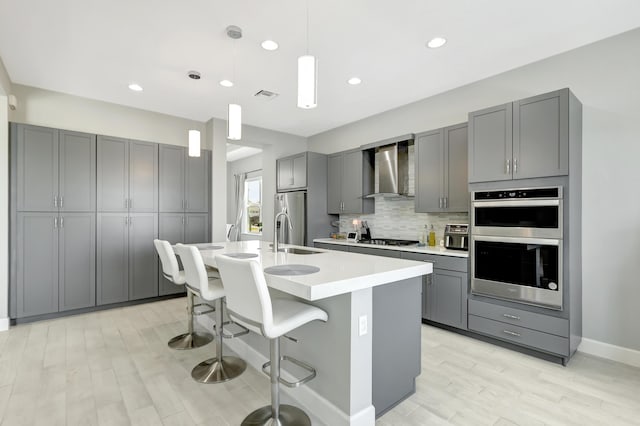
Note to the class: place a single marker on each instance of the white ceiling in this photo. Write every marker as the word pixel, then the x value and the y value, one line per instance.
pixel 95 48
pixel 238 152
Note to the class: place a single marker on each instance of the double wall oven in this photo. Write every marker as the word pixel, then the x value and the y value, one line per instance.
pixel 516 245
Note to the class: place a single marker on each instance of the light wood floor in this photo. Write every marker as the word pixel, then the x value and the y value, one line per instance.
pixel 113 367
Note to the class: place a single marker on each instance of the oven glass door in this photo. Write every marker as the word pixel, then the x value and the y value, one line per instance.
pixel 522 269
pixel 529 218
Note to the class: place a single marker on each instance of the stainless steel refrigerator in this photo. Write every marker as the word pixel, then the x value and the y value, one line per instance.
pixel 295 205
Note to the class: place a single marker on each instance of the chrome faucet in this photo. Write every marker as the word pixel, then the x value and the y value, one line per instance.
pixel 275 228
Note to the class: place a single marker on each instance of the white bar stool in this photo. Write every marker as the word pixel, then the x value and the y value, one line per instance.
pixel 172 272
pixel 220 368
pixel 250 304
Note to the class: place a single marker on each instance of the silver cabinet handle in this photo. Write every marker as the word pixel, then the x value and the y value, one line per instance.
pixel 130 203
pixel 126 221
pixel 130 221
pixel 511 333
pixel 186 204
pixel 126 203
pixel 515 165
pixel 446 202
pixel 183 220
pixel 61 201
pixel 61 221
pixel 55 201
pixel 514 317
pixel 55 222
pixel 508 166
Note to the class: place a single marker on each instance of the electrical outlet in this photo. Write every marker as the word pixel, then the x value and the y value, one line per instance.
pixel 362 325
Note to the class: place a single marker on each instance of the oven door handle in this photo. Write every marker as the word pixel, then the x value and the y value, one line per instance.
pixel 518 240
pixel 517 203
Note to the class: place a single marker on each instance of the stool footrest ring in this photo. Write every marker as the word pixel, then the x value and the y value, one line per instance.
pixel 207 311
pixel 227 335
pixel 300 364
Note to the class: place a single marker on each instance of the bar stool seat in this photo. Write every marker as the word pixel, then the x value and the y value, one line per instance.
pixel 219 368
pixel 171 271
pixel 250 304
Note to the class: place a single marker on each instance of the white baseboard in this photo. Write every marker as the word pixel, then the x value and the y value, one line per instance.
pixel 4 324
pixel 608 351
pixel 316 405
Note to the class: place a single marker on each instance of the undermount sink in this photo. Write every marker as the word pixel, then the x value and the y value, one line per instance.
pixel 294 250
pixel 292 269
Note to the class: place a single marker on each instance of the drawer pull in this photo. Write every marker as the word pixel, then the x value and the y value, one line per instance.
pixel 511 333
pixel 514 317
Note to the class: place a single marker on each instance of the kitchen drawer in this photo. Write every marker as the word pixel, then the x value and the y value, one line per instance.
pixel 374 251
pixel 531 320
pixel 520 335
pixel 451 263
pixel 329 246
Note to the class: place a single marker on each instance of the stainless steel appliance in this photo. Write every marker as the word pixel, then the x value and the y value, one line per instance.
pixel 295 205
pixel 456 236
pixel 516 245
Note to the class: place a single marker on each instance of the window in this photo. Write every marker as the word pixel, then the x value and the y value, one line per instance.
pixel 253 206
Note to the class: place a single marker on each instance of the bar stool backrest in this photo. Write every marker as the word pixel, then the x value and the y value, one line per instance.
pixel 248 298
pixel 194 269
pixel 169 262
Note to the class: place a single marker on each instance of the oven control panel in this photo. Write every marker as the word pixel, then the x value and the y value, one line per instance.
pixel 506 194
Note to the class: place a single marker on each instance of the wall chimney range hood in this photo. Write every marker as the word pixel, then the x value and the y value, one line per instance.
pixel 392 167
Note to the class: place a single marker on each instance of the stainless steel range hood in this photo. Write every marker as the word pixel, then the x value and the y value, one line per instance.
pixel 392 167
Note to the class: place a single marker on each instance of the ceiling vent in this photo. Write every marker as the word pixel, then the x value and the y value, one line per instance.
pixel 265 94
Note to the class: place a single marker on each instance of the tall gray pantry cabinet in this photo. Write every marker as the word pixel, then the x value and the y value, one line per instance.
pixel 127 265
pixel 53 216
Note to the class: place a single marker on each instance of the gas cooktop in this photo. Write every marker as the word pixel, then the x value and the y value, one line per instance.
pixel 388 242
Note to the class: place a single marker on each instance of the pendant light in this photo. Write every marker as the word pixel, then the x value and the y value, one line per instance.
pixel 194 143
pixel 307 76
pixel 234 112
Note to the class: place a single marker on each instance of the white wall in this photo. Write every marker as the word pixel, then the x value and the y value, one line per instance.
pixel 604 76
pixel 5 89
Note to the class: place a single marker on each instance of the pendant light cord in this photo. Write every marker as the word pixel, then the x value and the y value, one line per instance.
pixel 307 27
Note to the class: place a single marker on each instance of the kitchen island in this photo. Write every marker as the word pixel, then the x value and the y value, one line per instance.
pixel 367 355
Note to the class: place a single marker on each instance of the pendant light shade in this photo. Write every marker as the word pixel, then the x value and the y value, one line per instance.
pixel 307 82
pixel 234 122
pixel 194 143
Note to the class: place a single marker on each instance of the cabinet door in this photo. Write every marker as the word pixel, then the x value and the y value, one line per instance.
pixel 352 182
pixel 490 144
pixel 143 177
pixel 428 305
pixel 541 136
pixel 171 228
pixel 77 261
pixel 429 172
pixel 143 260
pixel 284 171
pixel 196 228
pixel 113 174
pixel 77 172
pixel 172 161
pixel 112 258
pixel 456 183
pixel 37 264
pixel 197 184
pixel 299 171
pixel 449 298
pixel 37 178
pixel 334 184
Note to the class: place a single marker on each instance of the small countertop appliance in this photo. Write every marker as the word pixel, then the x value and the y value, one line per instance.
pixel 456 237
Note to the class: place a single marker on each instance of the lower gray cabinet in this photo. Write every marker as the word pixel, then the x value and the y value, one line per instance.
pixel 127 264
pixel 374 251
pixel 446 298
pixel 196 228
pixel 55 262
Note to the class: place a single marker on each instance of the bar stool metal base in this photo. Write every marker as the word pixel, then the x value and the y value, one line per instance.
pixel 190 341
pixel 213 371
pixel 289 416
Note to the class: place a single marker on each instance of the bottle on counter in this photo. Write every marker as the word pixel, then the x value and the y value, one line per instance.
pixel 424 235
pixel 432 237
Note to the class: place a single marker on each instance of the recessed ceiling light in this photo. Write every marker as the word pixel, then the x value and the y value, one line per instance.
pixel 135 87
pixel 226 83
pixel 269 45
pixel 354 81
pixel 194 75
pixel 436 42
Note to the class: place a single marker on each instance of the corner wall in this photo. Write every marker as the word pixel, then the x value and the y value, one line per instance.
pixel 5 89
pixel 604 76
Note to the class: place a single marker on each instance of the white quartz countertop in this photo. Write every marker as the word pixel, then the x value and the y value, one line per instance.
pixel 340 272
pixel 414 249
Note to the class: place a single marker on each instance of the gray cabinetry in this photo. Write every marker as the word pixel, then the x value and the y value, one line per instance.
pixel 77 261
pixel 77 176
pixel 184 181
pixel 197 179
pixel 350 177
pixel 143 260
pixel 113 174
pixel 196 228
pixel 143 177
pixel 528 138
pixel 375 251
pixel 441 170
pixel 291 172
pixel 112 258
pixel 37 168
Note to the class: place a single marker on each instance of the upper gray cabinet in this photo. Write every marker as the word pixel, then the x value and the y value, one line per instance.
pixel 441 170
pixel 127 175
pixel 55 169
pixel 528 138
pixel 350 176
pixel 184 180
pixel 292 172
